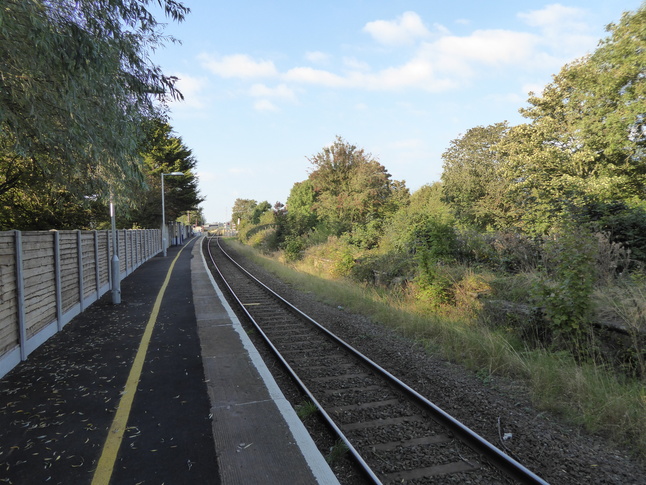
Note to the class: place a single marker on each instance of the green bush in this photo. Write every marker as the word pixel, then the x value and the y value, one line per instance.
pixel 263 238
pixel 344 263
pixel 366 236
pixel 564 292
pixel 293 248
pixel 624 222
pixel 436 239
pixel 504 251
pixel 383 269
pixel 432 285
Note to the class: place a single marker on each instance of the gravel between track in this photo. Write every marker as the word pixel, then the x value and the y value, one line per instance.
pixel 557 452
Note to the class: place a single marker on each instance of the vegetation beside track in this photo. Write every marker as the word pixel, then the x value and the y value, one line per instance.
pixel 587 392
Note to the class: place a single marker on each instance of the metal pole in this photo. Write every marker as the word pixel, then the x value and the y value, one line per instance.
pixel 116 278
pixel 163 239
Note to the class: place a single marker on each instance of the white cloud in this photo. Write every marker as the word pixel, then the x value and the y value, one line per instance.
pixel 438 65
pixel 555 16
pixel 191 87
pixel 355 64
pixel 443 62
pixel 486 46
pixel 451 61
pixel 315 76
pixel 238 65
pixel 265 105
pixel 417 72
pixel 281 91
pixel 562 28
pixel 404 30
pixel 317 57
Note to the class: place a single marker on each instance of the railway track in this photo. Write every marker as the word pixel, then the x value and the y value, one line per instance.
pixel 395 434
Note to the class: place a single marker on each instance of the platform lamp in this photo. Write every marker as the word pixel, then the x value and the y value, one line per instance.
pixel 163 240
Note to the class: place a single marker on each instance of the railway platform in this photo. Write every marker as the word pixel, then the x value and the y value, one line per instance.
pixel 163 388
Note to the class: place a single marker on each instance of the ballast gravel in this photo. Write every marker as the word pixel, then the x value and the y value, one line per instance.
pixel 499 410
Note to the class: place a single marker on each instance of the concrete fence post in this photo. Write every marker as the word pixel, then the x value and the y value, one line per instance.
pixel 126 259
pixel 108 255
pixel 79 256
pixel 20 293
pixel 57 280
pixel 97 269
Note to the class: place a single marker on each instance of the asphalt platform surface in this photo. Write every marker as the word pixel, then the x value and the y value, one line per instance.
pixel 204 412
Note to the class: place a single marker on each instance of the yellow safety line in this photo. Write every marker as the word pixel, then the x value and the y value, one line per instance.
pixel 103 471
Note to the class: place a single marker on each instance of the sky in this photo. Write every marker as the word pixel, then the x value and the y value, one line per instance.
pixel 269 84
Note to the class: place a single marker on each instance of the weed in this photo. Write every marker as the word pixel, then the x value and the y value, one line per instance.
pixel 485 376
pixel 336 452
pixel 306 409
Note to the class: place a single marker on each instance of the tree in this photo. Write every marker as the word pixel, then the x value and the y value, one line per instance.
pixel 35 202
pixel 258 211
pixel 243 211
pixel 75 85
pixel 471 181
pixel 38 202
pixel 165 152
pixel 405 229
pixel 350 186
pixel 300 203
pixel 585 142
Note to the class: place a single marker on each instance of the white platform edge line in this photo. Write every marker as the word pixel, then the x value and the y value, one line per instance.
pixel 321 470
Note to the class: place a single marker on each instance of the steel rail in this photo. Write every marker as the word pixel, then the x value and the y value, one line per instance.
pixel 502 461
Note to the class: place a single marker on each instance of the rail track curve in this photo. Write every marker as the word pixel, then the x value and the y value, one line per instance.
pixel 395 434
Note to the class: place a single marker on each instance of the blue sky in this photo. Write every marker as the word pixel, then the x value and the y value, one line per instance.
pixel 268 84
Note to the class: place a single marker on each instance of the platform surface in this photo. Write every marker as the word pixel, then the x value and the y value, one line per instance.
pixel 257 434
pixel 204 409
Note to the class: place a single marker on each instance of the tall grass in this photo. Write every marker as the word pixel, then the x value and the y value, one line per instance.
pixel 584 393
pixel 590 396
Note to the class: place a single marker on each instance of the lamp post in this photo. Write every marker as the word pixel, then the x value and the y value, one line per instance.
pixel 163 228
pixel 116 278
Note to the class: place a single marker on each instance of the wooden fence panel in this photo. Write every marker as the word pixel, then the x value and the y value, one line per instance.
pixel 38 269
pixel 89 264
pixel 128 250
pixel 9 334
pixel 69 270
pixel 121 238
pixel 137 245
pixel 104 262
